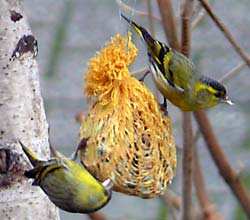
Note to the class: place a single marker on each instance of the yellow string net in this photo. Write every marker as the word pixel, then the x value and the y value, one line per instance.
pixel 130 139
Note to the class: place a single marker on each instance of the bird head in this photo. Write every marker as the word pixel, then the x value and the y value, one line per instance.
pixel 224 99
pixel 217 92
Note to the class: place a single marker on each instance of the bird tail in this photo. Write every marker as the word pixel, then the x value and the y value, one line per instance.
pixel 143 33
pixel 41 167
pixel 30 154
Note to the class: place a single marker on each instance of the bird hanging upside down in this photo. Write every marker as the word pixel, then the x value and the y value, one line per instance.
pixel 177 77
pixel 68 184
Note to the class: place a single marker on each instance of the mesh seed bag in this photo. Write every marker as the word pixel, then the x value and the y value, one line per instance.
pixel 130 139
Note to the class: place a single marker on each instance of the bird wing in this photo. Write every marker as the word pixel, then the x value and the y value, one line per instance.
pixel 181 72
pixel 39 172
pixel 163 66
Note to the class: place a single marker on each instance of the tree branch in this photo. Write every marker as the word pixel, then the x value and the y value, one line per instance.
pixel 198 18
pixel 150 18
pixel 226 32
pixel 129 9
pixel 208 209
pixel 232 73
pixel 96 216
pixel 171 199
pixel 152 31
pixel 187 160
pixel 169 23
pixel 220 159
pixel 186 30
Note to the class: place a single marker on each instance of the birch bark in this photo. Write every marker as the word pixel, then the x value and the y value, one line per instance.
pixel 22 117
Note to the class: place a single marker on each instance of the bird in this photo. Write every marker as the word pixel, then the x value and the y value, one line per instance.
pixel 68 184
pixel 177 78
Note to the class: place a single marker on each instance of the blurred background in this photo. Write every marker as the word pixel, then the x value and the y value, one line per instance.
pixel 70 32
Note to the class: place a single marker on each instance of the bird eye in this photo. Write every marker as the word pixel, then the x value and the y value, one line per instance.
pixel 220 94
pixel 217 94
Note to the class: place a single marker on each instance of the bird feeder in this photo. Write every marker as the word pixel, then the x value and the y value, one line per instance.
pixel 130 140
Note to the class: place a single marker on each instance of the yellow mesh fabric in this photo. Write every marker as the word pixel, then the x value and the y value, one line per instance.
pixel 130 139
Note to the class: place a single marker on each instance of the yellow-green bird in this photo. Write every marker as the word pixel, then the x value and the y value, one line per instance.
pixel 68 184
pixel 177 77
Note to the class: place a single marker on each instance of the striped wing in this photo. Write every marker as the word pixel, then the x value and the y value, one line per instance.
pixel 181 72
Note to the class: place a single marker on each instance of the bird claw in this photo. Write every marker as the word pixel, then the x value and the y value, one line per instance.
pixel 81 146
pixel 164 107
pixel 74 155
pixel 144 76
pixel 108 184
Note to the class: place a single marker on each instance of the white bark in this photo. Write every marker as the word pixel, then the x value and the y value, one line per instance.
pixel 22 117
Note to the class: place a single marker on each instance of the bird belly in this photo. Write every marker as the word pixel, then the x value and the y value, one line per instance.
pixel 72 193
pixel 173 95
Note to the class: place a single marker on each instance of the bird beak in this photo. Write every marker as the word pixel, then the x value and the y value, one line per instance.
pixel 108 184
pixel 227 100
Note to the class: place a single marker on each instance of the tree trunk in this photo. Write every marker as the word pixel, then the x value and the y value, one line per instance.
pixel 22 117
